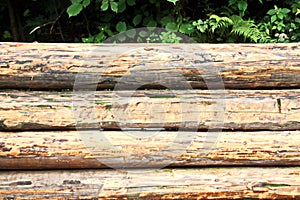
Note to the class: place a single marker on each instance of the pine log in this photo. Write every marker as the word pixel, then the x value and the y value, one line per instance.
pixel 72 149
pixel 170 110
pixel 193 183
pixel 56 66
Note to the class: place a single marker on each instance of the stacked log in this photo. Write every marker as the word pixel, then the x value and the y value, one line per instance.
pixel 181 121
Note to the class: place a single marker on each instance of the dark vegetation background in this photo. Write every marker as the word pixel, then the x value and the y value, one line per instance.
pixel 90 21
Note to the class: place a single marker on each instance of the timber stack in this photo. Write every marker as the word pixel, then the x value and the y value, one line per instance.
pixel 149 121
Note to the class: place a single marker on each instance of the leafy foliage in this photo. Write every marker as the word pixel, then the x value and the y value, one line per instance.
pixel 282 24
pixel 94 21
pixel 247 29
pixel 77 6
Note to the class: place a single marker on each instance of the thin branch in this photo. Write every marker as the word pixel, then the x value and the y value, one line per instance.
pixel 53 24
pixel 41 26
pixel 57 21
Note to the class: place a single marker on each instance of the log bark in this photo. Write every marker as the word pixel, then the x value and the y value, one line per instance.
pixel 57 66
pixel 170 110
pixel 206 183
pixel 71 149
pixel 149 128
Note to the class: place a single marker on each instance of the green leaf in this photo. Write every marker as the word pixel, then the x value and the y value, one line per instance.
pixel 293 26
pixel 151 29
pixel 271 12
pixel 131 2
pixel 85 3
pixel 104 5
pixel 114 6
pixel 121 27
pixel 242 5
pixel 131 33
pixel 143 34
pixel 109 32
pixel 166 20
pixel 203 28
pixel 146 20
pixel 286 11
pixel 231 2
pixel 87 40
pixel 74 9
pixel 280 16
pixel 273 18
pixel 121 6
pixel 100 37
pixel 137 19
pixel 152 23
pixel 171 26
pixel 173 1
pixel 268 31
pixel 122 37
pixel 186 28
pixel 7 35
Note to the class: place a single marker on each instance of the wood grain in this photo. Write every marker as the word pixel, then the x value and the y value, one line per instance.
pixel 72 149
pixel 57 66
pixel 204 183
pixel 171 110
pixel 258 150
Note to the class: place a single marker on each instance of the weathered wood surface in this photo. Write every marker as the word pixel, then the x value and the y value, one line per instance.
pixel 205 183
pixel 132 66
pixel 194 109
pixel 68 149
pixel 55 66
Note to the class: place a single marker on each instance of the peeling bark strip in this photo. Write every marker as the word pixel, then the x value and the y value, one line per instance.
pixel 193 109
pixel 205 183
pixel 55 66
pixel 64 150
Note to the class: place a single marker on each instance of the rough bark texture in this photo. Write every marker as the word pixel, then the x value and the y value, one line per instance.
pixel 193 109
pixel 150 128
pixel 55 66
pixel 57 150
pixel 207 183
